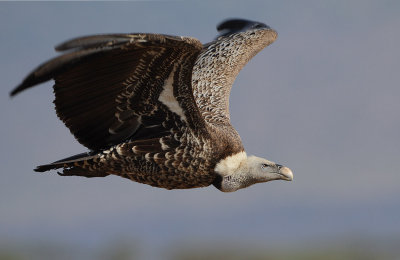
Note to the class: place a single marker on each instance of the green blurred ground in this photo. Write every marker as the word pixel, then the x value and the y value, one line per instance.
pixel 344 249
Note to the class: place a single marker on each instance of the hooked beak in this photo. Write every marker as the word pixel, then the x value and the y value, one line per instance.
pixel 285 173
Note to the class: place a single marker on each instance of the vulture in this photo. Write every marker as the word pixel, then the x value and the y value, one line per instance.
pixel 154 108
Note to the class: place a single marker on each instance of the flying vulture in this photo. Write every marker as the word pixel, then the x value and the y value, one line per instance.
pixel 155 108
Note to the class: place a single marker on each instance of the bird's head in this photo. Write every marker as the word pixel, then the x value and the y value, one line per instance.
pixel 263 170
pixel 240 171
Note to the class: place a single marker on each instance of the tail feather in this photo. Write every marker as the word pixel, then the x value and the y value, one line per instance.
pixel 66 162
pixel 47 167
pixel 73 166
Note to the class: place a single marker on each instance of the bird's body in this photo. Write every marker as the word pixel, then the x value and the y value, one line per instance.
pixel 155 108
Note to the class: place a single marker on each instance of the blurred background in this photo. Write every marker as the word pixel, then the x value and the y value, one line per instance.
pixel 323 100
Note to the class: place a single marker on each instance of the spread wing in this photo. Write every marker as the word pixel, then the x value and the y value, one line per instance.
pixel 112 87
pixel 221 60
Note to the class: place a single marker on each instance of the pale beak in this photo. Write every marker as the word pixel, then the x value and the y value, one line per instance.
pixel 285 173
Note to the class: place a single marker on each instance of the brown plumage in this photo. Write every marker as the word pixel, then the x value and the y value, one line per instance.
pixel 151 108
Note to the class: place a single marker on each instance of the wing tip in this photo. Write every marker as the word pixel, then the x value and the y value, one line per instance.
pixel 14 92
pixel 234 25
pixel 30 81
pixel 21 87
pixel 61 47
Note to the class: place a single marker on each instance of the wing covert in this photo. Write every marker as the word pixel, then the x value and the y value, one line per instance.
pixel 221 60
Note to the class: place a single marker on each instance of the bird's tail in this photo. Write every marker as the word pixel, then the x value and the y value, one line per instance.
pixel 76 165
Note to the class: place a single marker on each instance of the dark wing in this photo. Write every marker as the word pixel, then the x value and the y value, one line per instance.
pixel 220 62
pixel 105 84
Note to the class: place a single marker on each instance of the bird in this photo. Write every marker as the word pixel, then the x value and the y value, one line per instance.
pixel 154 108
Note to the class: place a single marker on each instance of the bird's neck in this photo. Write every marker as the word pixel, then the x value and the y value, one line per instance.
pixel 234 173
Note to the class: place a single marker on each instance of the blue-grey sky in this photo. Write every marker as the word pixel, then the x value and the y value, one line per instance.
pixel 323 100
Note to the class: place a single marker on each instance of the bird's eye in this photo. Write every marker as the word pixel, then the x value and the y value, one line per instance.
pixel 264 166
